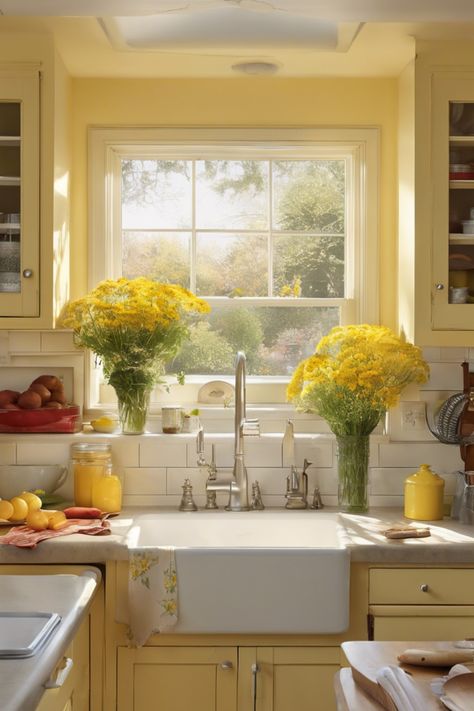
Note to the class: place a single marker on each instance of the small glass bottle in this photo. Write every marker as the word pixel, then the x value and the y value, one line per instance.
pixel 89 462
pixel 107 493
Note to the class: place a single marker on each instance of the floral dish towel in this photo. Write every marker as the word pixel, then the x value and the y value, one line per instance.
pixel 152 593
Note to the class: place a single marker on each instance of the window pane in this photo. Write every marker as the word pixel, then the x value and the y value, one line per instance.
pixel 309 266
pixel 156 194
pixel 231 265
pixel 159 256
pixel 273 339
pixel 309 196
pixel 231 194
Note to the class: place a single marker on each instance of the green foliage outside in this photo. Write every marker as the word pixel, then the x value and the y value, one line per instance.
pixel 310 201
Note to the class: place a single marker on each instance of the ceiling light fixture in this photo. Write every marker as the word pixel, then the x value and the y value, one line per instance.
pixel 255 68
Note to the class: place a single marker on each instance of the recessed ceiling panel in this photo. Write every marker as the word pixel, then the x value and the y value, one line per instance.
pixel 226 27
pixel 340 10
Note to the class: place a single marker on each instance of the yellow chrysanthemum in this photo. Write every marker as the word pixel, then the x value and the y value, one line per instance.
pixel 356 373
pixel 133 325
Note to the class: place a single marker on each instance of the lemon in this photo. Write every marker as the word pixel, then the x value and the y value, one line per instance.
pixel 33 501
pixel 37 520
pixel 104 424
pixel 56 519
pixel 6 509
pixel 20 509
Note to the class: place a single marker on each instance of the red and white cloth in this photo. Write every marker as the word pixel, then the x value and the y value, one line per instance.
pixel 27 537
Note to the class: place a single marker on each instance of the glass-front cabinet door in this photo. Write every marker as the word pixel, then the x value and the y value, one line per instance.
pixel 19 194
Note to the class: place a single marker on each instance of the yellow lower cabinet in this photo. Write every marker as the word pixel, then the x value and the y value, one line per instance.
pixel 421 603
pixel 177 679
pixel 416 622
pixel 72 694
pixel 287 678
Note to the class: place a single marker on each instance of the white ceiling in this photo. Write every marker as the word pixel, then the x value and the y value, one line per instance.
pixel 205 38
pixel 342 10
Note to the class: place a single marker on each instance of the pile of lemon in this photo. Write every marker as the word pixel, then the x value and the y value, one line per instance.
pixel 27 507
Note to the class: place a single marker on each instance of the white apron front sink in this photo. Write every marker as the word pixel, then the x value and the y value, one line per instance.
pixel 268 572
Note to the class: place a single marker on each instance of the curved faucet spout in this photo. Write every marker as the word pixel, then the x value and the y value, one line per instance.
pixel 240 403
pixel 238 495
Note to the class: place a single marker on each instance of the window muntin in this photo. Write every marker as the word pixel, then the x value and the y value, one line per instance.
pixel 350 294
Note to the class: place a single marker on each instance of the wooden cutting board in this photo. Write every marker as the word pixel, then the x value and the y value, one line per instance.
pixel 366 658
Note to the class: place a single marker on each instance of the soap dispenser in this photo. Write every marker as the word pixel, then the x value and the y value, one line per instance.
pixel 424 495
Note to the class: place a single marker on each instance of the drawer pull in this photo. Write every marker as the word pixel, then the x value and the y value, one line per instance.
pixel 424 587
pixel 60 674
pixel 226 666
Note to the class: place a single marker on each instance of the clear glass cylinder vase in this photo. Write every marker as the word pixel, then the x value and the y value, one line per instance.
pixel 352 469
pixel 133 410
pixel 133 387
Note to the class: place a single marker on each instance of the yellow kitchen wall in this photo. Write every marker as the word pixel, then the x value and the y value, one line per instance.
pixel 255 101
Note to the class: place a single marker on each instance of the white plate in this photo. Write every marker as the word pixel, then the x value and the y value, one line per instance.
pixel 216 392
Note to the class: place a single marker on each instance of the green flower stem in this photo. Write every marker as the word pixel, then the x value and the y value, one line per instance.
pixel 133 388
pixel 353 465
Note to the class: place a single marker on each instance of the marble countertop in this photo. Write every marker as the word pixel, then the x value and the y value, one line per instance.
pixel 450 541
pixel 22 680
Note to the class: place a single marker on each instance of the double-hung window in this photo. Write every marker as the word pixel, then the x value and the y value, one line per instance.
pixel 275 228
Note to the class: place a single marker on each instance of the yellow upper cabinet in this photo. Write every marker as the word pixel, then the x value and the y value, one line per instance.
pixel 19 193
pixel 34 182
pixel 436 196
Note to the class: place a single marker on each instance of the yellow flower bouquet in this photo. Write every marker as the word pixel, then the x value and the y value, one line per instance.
pixel 354 376
pixel 134 326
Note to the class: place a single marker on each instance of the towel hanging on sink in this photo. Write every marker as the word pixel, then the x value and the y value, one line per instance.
pixel 152 593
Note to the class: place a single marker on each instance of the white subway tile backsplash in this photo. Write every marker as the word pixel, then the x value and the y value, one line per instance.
pixel 315 449
pixel 147 500
pixel 163 453
pixel 272 481
pixel 391 481
pixel 175 480
pixel 7 452
pixel 38 452
pixel 263 451
pixel 325 479
pixel 444 376
pixel 144 481
pixel 443 458
pixel 57 341
pixel 125 452
pixel 454 355
pixel 385 501
pixel 24 341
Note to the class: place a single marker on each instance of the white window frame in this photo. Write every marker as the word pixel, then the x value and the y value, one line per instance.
pixel 108 145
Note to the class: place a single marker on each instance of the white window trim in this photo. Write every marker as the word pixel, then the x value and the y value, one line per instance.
pixel 107 145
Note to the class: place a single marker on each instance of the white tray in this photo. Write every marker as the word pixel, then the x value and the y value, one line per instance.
pixel 23 633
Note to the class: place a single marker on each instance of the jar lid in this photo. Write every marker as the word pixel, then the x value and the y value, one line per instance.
pixel 425 476
pixel 101 448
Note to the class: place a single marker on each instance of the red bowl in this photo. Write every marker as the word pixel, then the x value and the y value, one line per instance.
pixel 45 419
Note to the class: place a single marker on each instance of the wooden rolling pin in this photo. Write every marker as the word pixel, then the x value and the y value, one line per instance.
pixel 436 658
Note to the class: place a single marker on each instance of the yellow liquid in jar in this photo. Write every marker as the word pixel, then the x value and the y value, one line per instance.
pixel 84 477
pixel 107 494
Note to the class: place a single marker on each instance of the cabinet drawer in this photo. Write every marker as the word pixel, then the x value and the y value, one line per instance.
pixel 422 586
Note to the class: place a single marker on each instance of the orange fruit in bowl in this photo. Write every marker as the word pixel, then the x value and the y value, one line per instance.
pixel 6 509
pixel 20 509
pixel 38 520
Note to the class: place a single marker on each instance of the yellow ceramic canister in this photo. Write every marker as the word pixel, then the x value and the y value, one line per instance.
pixel 424 492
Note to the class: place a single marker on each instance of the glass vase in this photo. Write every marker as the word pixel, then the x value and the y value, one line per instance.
pixel 352 468
pixel 133 391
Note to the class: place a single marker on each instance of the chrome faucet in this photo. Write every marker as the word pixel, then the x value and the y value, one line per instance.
pixel 238 485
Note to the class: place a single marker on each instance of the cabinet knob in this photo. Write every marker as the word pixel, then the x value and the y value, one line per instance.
pixel 439 286
pixel 226 665
pixel 27 273
pixel 424 587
